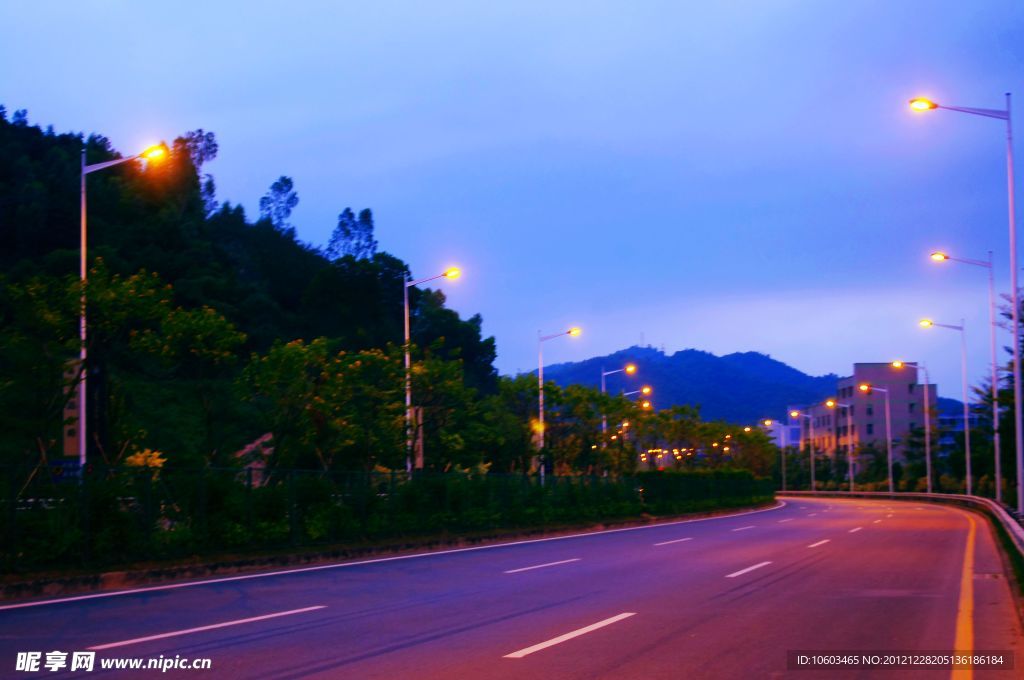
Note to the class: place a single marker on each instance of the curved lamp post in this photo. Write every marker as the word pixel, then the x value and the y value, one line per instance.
pixel 451 273
pixel 927 416
pixel 152 153
pixel 928 323
pixel 867 388
pixel 987 264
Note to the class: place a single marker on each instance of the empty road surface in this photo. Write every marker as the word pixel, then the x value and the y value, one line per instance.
pixel 716 598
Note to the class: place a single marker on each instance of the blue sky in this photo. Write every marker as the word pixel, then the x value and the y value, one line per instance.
pixel 727 176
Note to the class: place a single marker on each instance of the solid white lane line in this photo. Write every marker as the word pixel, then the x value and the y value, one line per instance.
pixel 815 545
pixel 812 514
pixel 788 519
pixel 187 631
pixel 541 566
pixel 876 521
pixel 750 526
pixel 889 515
pixel 377 560
pixel 853 531
pixel 568 636
pixel 678 540
pixel 741 572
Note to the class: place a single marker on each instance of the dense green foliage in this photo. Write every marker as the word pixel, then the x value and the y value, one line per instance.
pixel 116 517
pixel 217 341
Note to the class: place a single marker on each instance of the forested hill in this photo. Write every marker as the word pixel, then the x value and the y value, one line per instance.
pixel 164 217
pixel 740 387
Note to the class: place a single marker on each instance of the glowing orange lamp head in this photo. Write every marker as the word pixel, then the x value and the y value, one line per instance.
pixel 939 256
pixel 830 403
pixel 768 422
pixel 897 364
pixel 925 323
pixel 746 429
pixel 452 273
pixel 864 387
pixel 646 404
pixel 646 389
pixel 794 413
pixel 574 331
pixel 922 104
pixel 630 369
pixel 155 152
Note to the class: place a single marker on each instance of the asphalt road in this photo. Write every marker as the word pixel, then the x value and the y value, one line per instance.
pixel 717 598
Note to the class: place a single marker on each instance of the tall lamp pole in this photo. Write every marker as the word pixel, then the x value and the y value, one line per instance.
pixel 928 323
pixel 832 403
pixel 450 273
pixel 628 369
pixel 152 153
pixel 942 257
pixel 927 416
pixel 921 104
pixel 867 389
pixel 810 440
pixel 541 339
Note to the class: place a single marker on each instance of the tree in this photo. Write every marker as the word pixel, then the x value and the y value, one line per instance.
pixel 353 236
pixel 278 203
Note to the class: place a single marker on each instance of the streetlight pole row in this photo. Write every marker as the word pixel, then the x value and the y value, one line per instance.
pixel 922 104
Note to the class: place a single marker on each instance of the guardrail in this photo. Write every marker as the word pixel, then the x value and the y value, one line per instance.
pixel 1012 528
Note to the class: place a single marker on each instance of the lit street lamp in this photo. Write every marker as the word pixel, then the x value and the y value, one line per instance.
pixel 810 441
pixel 152 153
pixel 922 104
pixel 832 403
pixel 867 389
pixel 541 339
pixel 928 323
pixel 942 257
pixel 927 417
pixel 450 273
pixel 628 369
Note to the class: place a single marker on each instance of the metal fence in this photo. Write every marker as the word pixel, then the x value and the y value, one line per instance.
pixel 116 516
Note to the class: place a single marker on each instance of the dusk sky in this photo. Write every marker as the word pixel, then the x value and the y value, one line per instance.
pixel 725 176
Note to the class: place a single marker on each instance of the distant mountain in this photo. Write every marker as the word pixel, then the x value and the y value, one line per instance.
pixel 744 387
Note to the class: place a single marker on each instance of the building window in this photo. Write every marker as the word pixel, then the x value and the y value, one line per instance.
pixel 871 411
pixel 871 428
pixel 910 388
pixel 910 407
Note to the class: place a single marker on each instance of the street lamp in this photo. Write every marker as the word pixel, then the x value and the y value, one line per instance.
pixel 922 104
pixel 927 416
pixel 152 153
pixel 868 389
pixel 628 369
pixel 451 273
pixel 541 339
pixel 942 257
pixel 645 390
pixel 928 323
pixel 810 442
pixel 832 403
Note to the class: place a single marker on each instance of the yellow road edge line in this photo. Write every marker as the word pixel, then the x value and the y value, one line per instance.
pixel 964 641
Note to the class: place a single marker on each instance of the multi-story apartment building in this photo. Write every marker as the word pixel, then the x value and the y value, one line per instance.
pixel 866 410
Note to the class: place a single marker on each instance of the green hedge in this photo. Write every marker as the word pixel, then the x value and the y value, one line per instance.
pixel 118 516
